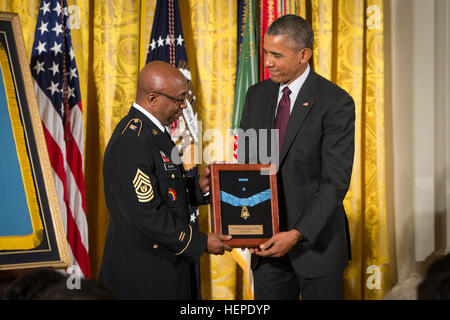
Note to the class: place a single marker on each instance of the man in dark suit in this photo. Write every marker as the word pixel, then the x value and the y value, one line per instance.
pixel 150 247
pixel 315 119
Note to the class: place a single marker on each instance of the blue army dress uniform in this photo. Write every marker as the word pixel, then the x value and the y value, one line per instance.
pixel 150 247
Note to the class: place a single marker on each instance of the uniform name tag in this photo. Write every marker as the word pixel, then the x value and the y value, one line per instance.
pixel 170 166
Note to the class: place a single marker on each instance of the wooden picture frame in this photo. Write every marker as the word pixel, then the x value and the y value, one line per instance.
pixel 244 202
pixel 31 228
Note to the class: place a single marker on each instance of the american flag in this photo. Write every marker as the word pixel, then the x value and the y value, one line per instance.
pixel 57 89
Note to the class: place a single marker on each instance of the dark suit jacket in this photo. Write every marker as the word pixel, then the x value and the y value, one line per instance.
pixel 315 165
pixel 150 247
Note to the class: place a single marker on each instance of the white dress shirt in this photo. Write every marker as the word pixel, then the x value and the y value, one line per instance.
pixel 295 87
pixel 151 117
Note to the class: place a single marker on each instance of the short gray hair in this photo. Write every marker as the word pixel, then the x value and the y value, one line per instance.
pixel 297 29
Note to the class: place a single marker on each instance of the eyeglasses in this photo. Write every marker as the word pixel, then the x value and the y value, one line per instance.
pixel 177 100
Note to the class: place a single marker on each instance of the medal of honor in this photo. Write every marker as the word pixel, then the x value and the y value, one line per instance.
pixel 245 202
pixel 245 214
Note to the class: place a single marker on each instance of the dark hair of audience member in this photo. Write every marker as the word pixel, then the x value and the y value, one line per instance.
pixel 88 290
pixel 436 284
pixel 29 286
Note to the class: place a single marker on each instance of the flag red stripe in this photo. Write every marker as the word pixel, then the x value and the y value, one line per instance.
pixel 55 155
pixel 78 249
pixel 73 233
pixel 74 161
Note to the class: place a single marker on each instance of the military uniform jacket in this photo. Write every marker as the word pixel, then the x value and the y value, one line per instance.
pixel 150 247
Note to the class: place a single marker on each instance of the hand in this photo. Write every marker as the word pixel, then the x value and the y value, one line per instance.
pixel 203 180
pixel 215 244
pixel 278 245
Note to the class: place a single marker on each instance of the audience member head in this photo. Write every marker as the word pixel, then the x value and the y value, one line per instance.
pixel 88 290
pixel 436 284
pixel 30 285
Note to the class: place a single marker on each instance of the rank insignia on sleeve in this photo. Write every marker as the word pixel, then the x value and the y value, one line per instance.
pixel 143 187
pixel 172 195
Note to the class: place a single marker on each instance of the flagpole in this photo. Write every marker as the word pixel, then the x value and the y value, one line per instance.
pixel 64 84
pixel 142 46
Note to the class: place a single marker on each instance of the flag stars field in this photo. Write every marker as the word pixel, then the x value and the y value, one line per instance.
pixel 180 40
pixel 39 66
pixel 56 48
pixel 54 68
pixel 167 41
pixel 72 55
pixel 57 29
pixel 153 44
pixel 45 8
pixel 53 87
pixel 43 28
pixel 41 47
pixel 73 73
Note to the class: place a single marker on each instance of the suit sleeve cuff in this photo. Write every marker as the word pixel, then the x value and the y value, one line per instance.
pixel 305 241
pixel 195 194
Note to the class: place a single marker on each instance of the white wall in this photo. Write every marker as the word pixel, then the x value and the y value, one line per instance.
pixel 419 79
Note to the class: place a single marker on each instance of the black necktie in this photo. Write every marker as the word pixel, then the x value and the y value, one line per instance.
pixel 167 134
pixel 283 113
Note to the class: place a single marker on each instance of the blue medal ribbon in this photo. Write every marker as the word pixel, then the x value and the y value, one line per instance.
pixel 249 202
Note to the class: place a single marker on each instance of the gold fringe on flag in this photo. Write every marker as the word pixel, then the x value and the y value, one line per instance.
pixel 35 238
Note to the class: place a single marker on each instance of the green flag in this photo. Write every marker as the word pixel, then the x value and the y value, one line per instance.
pixel 247 71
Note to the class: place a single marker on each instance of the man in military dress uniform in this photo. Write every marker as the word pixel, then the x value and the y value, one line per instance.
pixel 151 248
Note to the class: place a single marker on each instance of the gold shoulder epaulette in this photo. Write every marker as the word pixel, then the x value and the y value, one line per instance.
pixel 134 125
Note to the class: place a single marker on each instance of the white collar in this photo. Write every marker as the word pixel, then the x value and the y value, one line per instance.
pixel 297 84
pixel 151 117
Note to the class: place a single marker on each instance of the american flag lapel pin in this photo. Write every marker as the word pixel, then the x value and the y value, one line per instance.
pixel 306 104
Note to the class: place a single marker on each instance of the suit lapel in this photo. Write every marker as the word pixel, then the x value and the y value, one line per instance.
pixel 302 106
pixel 268 118
pixel 274 103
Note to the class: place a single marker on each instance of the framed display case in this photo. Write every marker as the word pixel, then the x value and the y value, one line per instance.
pixel 244 202
pixel 31 227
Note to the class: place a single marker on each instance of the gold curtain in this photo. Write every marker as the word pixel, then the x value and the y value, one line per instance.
pixel 349 51
pixel 110 39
